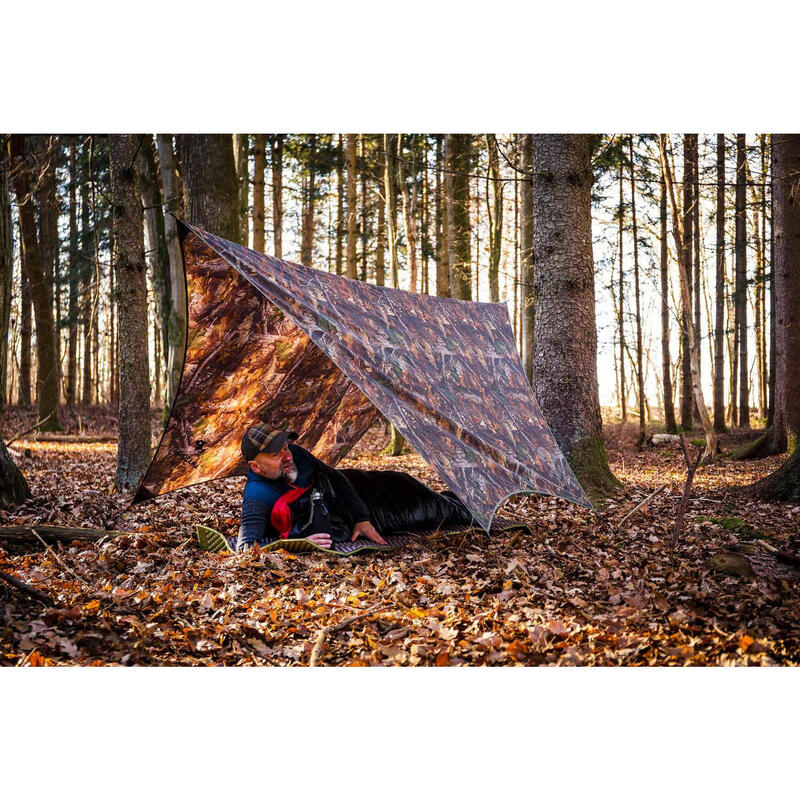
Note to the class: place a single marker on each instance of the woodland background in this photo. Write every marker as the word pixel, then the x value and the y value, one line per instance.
pixel 657 271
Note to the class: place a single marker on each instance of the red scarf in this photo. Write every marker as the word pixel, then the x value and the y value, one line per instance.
pixel 281 517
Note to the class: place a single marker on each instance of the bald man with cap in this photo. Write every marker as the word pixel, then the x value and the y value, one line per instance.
pixel 290 493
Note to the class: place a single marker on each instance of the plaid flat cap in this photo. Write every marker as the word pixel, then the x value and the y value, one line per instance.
pixel 262 438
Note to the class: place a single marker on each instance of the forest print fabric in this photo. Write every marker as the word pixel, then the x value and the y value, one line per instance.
pixel 269 340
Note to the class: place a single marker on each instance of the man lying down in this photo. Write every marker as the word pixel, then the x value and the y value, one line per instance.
pixel 292 494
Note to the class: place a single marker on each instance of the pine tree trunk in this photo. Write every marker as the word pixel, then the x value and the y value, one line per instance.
pixel 670 424
pixel 210 183
pixel 526 256
pixel 25 397
pixel 741 282
pixel 48 234
pixel 710 452
pixel 457 147
pixel 639 353
pixel 13 486
pixel 341 223
pixel 176 327
pixel 276 163
pixel 133 451
pixel 409 214
pixel 565 361
pixel 87 281
pixel 47 372
pixel 623 391
pixel 784 483
pixel 364 232
pixel 156 254
pixel 307 237
pixel 689 142
pixel 72 301
pixel 442 268
pixel 380 256
pixel 495 213
pixel 719 299
pixel 391 213
pixel 259 168
pixel 351 206
pixel 241 148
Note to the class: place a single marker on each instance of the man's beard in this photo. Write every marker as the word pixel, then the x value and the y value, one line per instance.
pixel 289 472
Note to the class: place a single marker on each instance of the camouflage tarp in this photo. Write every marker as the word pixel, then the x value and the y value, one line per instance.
pixel 275 341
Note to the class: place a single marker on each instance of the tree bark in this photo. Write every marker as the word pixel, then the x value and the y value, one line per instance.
pixel 133 451
pixel 391 213
pixel 442 268
pixel 276 164
pixel 784 483
pixel 380 256
pixel 623 389
pixel 210 183
pixel 565 361
pixel 639 352
pixel 719 299
pixel 694 351
pixel 670 424
pixel 241 148
pixel 176 326
pixel 25 396
pixel 307 235
pixel 47 372
pixel 72 301
pixel 457 147
pixel 495 219
pixel 740 309
pixel 526 255
pixel 259 168
pixel 13 486
pixel 409 213
pixel 689 165
pixel 351 206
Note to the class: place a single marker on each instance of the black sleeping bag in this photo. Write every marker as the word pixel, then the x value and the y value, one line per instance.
pixel 398 502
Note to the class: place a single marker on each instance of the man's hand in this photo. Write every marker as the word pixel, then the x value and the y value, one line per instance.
pixel 366 528
pixel 320 539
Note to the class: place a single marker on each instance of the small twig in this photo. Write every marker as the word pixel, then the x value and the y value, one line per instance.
pixel 686 489
pixel 61 563
pixel 26 588
pixel 32 428
pixel 317 649
pixel 643 503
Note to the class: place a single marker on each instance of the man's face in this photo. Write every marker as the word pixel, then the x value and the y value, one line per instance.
pixel 275 465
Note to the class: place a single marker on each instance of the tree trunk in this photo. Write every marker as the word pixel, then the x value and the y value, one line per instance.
pixel 25 396
pixel 565 361
pixel 133 452
pixel 670 424
pixel 72 301
pixel 13 486
pixel 409 212
pixel 694 351
pixel 526 256
pixel 740 311
pixel 457 148
pixel 495 219
pixel 87 282
pixel 442 268
pixel 48 236
pixel 156 254
pixel 341 224
pixel 241 148
pixel 689 165
pixel 259 168
pixel 47 382
pixel 176 326
pixel 307 236
pixel 719 299
pixel 276 163
pixel 351 206
pixel 210 183
pixel 362 160
pixel 784 483
pixel 380 256
pixel 623 391
pixel 639 353
pixel 391 214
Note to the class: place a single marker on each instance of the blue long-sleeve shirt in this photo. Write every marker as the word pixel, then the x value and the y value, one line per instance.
pixel 260 495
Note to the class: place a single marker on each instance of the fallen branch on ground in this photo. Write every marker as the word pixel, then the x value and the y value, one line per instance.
pixel 29 534
pixel 686 489
pixel 32 428
pixel 26 588
pixel 643 503
pixel 317 649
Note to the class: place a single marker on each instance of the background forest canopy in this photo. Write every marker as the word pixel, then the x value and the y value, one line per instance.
pixel 446 214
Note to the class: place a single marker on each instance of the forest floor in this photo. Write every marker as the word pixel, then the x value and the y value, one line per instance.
pixel 582 588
